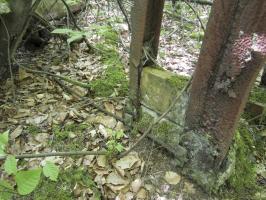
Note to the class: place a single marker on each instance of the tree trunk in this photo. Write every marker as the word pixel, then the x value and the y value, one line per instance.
pixel 263 78
pixel 15 22
pixel 232 54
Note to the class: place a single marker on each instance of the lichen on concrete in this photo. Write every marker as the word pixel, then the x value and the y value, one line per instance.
pixel 201 158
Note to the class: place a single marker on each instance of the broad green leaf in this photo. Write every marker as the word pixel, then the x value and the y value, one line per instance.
pixel 6 190
pixel 28 180
pixel 74 38
pixel 4 7
pixel 72 35
pixel 3 142
pixel 4 138
pixel 64 31
pixel 51 171
pixel 10 165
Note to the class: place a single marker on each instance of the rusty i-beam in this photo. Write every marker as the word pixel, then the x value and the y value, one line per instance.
pixel 146 18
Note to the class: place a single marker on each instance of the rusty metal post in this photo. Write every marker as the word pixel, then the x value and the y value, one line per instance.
pixel 146 17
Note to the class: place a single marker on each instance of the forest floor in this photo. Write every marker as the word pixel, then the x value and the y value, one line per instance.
pixel 47 114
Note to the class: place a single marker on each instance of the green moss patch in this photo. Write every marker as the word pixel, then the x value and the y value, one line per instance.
pixel 33 129
pixel 258 94
pixel 114 80
pixel 243 182
pixel 70 137
pixel 179 81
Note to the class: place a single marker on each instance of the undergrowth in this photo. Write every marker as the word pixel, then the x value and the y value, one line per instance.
pixel 243 182
pixel 258 94
pixel 113 81
pixel 71 137
pixel 63 188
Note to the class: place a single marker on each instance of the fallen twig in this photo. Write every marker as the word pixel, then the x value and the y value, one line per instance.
pixel 195 12
pixel 71 15
pixel 74 82
pixel 69 153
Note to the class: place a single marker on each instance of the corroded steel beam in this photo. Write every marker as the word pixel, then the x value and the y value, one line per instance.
pixel 146 16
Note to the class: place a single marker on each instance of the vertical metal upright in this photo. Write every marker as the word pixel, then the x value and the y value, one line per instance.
pixel 146 18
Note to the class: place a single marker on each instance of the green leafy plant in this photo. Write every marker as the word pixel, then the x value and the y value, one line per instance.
pixel 114 144
pixel 25 180
pixel 72 35
pixel 3 142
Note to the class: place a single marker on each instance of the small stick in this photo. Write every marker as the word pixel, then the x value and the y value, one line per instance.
pixel 122 8
pixel 69 153
pixel 74 82
pixel 195 12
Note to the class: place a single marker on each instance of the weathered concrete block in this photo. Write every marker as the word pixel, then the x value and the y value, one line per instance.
pixel 158 90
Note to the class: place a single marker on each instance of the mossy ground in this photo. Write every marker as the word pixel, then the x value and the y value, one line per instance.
pixel 258 94
pixel 243 182
pixel 114 80
pixel 33 129
pixel 70 137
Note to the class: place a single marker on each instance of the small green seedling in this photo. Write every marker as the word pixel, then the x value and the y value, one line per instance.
pixel 25 180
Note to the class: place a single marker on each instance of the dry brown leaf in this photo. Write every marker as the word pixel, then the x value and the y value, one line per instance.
pixel 42 137
pixel 136 185
pixel 142 194
pixel 172 177
pixel 109 107
pixel 87 161
pixel 101 161
pixel 17 132
pixel 115 179
pixel 37 120
pixel 127 161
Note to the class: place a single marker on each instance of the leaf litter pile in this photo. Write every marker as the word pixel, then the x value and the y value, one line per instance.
pixel 48 114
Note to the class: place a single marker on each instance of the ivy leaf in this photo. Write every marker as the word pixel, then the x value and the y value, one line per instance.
pixel 27 180
pixel 10 165
pixel 6 190
pixel 51 171
pixel 3 142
